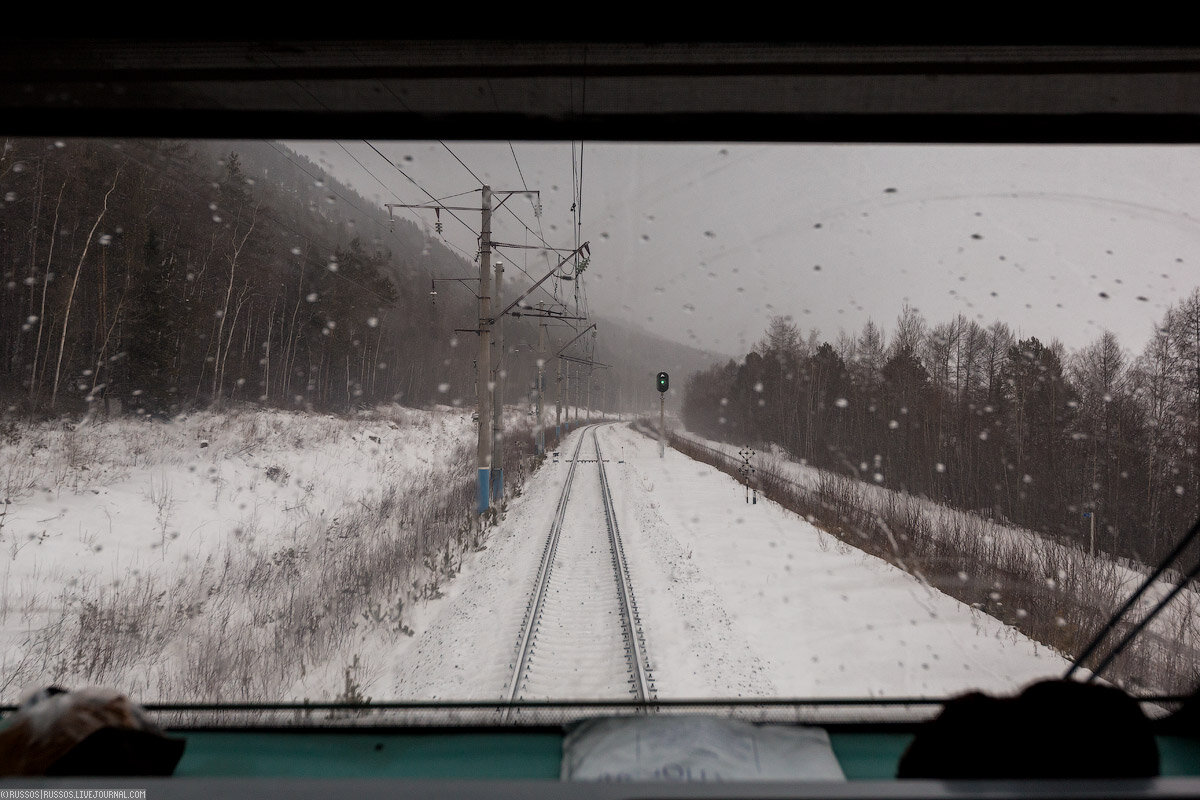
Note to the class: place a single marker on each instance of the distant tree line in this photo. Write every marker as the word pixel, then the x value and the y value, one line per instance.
pixel 971 416
pixel 161 276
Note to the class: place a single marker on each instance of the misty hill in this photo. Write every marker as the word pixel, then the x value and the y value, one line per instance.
pixel 153 276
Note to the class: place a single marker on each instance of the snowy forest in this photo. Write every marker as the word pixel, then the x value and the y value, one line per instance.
pixel 1013 428
pixel 152 277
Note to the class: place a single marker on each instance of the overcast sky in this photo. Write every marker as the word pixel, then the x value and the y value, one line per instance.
pixel 703 243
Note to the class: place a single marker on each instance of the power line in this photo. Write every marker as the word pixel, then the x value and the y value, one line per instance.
pixel 536 215
pixel 516 216
pixel 322 104
pixel 553 296
pixel 393 194
pixel 422 188
pixel 459 160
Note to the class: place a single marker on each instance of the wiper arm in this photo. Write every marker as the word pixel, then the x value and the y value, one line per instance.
pixel 1141 590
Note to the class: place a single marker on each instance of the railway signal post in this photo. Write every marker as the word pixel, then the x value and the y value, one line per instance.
pixel 663 382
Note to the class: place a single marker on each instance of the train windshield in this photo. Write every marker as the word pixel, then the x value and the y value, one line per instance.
pixel 448 422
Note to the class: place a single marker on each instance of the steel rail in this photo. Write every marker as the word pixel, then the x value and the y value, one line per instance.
pixel 533 609
pixel 631 619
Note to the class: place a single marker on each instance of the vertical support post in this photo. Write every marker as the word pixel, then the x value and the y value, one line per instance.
pixel 662 425
pixel 484 371
pixel 558 396
pixel 567 394
pixel 498 396
pixel 540 426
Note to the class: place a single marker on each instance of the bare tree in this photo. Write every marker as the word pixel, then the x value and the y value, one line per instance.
pixel 62 345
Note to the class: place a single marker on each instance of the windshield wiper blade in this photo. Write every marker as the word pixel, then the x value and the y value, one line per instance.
pixel 1141 590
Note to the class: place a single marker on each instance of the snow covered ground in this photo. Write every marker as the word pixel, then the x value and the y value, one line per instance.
pixel 1098 581
pixel 133 506
pixel 737 600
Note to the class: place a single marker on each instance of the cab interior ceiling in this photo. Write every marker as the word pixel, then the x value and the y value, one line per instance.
pixel 603 90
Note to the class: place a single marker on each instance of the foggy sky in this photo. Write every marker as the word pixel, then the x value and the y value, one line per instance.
pixel 703 243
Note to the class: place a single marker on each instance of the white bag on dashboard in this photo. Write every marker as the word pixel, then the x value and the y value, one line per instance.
pixel 696 749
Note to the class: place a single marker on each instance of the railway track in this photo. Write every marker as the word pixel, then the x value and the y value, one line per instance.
pixel 581 636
